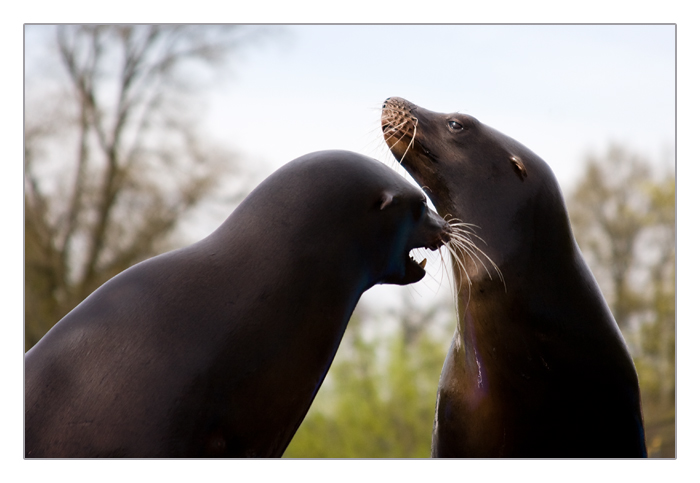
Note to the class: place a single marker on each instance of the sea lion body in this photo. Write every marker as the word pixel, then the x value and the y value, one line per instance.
pixel 219 348
pixel 538 366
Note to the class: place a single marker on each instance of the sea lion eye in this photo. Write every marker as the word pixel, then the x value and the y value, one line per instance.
pixel 455 126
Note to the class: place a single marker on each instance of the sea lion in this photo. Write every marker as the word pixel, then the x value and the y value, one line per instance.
pixel 219 348
pixel 537 366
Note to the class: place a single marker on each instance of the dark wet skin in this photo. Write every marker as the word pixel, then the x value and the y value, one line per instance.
pixel 538 367
pixel 219 348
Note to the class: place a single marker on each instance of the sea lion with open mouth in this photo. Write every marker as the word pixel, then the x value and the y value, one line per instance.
pixel 219 348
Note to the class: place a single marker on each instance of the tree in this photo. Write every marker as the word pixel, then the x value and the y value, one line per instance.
pixel 656 364
pixel 624 221
pixel 608 212
pixel 113 159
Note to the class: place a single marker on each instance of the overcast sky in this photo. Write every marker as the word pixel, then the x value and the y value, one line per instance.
pixel 560 90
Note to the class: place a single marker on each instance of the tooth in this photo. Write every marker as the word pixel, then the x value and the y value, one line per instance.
pixel 422 264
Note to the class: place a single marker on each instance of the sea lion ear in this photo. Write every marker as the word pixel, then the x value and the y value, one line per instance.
pixel 385 200
pixel 519 167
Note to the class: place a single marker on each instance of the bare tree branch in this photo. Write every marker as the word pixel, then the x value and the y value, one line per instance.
pixel 139 163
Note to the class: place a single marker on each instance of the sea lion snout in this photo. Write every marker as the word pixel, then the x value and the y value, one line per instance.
pixel 443 231
pixel 434 232
pixel 397 120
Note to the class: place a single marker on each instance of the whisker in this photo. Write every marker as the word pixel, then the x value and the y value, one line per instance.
pixel 390 125
pixel 410 144
pixel 462 243
pixel 403 135
pixel 473 254
pixel 465 236
pixel 397 124
pixel 458 260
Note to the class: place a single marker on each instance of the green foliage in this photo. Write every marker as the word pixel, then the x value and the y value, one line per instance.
pixel 378 400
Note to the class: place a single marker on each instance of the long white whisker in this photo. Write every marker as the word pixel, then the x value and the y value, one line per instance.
pixel 461 240
pixel 397 129
pixel 413 138
pixel 471 250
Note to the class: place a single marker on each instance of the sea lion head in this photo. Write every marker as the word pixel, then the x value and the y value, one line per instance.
pixel 383 215
pixel 411 224
pixel 475 174
pixel 357 212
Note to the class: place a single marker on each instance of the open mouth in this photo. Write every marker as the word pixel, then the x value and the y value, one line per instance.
pixel 412 256
pixel 415 270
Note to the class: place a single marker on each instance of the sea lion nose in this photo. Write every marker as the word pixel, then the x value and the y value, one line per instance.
pixel 388 100
pixel 441 231
pixel 446 235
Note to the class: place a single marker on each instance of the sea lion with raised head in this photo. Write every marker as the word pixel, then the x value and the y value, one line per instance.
pixel 219 348
pixel 537 366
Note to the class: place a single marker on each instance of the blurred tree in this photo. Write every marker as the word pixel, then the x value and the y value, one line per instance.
pixel 608 212
pixel 656 363
pixel 112 158
pixel 379 397
pixel 624 221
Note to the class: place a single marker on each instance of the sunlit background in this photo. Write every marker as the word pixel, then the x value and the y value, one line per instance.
pixel 596 102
